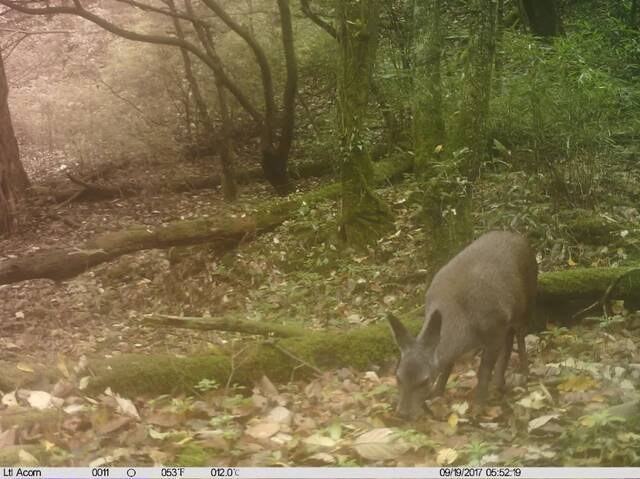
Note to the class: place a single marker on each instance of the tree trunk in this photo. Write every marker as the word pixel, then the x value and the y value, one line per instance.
pixel 13 179
pixel 206 130
pixel 290 89
pixel 428 118
pixel 470 144
pixel 363 215
pixel 541 17
pixel 227 160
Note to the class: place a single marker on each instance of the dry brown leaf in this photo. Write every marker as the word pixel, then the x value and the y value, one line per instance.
pixel 380 445
pixel 263 430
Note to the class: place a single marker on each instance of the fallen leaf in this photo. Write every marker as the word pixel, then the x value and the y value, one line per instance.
pixel 460 408
pixel 280 415
pixel 372 376
pixel 541 421
pixel 24 367
pixel 164 419
pixel 535 400
pixel 10 399
pixel 83 383
pixel 318 441
pixel 453 420
pixel 335 429
pixel 446 456
pixel 263 430
pixel 578 384
pixel 322 458
pixel 27 459
pixel 62 366
pixel 281 438
pixel 304 423
pixel 42 400
pixel 380 445
pixel 126 407
pixel 110 425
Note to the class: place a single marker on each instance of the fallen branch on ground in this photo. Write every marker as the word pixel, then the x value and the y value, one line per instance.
pixel 223 233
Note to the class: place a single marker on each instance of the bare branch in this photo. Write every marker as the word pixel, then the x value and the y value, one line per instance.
pixel 161 11
pixel 261 58
pixel 326 26
pixel 33 32
pixel 80 11
pixel 135 107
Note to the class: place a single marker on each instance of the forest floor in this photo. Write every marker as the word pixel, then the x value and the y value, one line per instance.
pixel 299 273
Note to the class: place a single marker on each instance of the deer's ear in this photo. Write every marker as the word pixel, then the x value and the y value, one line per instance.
pixel 429 336
pixel 400 334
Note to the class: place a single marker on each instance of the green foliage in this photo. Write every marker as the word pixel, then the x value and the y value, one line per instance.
pixel 604 439
pixel 476 450
pixel 565 103
pixel 207 385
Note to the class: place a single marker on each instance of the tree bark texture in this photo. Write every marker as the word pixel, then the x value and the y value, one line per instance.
pixel 363 215
pixel 225 151
pixel 13 179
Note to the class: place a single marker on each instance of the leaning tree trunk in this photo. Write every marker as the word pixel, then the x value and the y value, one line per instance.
pixel 221 233
pixel 13 179
pixel 363 215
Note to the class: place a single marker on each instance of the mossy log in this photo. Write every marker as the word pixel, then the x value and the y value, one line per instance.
pixel 589 284
pixel 224 234
pixel 283 360
pixel 15 376
pixel 263 328
pixel 296 357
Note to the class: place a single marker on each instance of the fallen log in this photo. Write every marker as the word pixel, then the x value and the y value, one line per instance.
pixel 282 360
pixel 296 172
pixel 589 284
pixel 91 191
pixel 225 324
pixel 224 234
pixel 576 284
pixel 297 357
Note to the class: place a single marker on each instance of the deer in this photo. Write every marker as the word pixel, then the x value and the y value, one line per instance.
pixel 481 299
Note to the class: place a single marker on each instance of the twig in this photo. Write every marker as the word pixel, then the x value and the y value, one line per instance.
pixel 70 199
pixel 234 367
pixel 135 107
pixel 33 32
pixel 602 302
pixel 294 357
